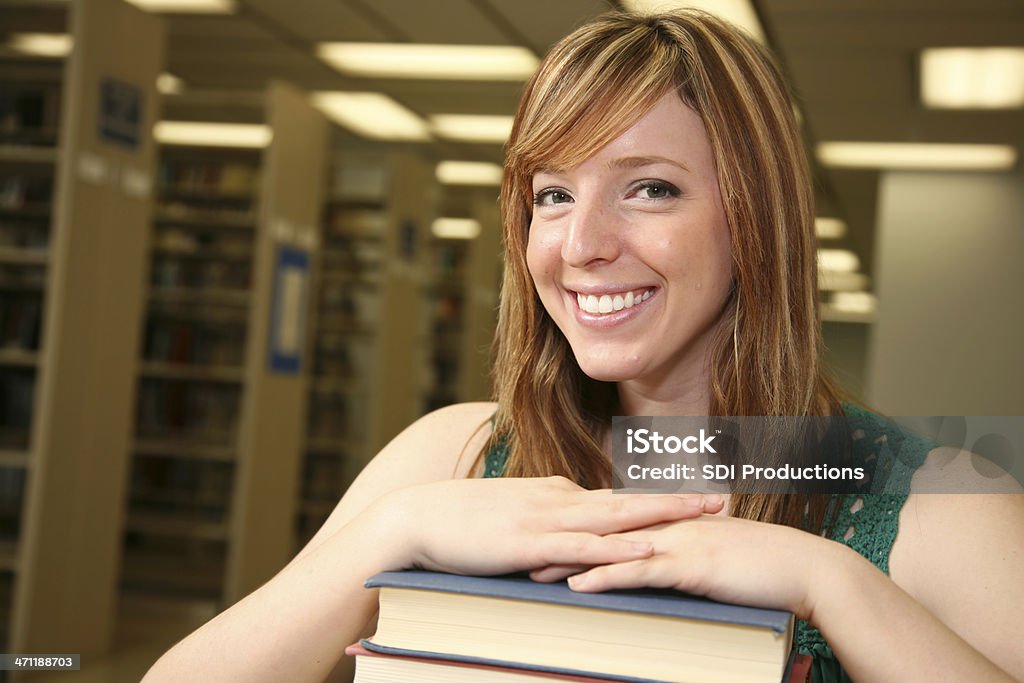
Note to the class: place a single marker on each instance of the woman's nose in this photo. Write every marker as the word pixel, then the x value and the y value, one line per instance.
pixel 591 236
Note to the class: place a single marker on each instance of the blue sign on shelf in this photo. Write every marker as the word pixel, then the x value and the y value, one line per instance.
pixel 120 118
pixel 290 304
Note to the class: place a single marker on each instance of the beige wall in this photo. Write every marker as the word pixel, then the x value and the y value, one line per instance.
pixel 949 337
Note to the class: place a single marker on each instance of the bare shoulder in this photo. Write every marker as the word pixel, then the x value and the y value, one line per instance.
pixel 444 444
pixel 960 554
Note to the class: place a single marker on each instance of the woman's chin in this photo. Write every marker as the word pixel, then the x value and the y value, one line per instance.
pixel 609 372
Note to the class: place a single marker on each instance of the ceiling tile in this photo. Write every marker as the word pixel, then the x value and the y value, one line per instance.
pixel 544 22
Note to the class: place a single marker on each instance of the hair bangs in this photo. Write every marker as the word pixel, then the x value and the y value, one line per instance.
pixel 581 102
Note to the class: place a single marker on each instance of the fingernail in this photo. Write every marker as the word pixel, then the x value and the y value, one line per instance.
pixel 713 498
pixel 642 548
pixel 577 580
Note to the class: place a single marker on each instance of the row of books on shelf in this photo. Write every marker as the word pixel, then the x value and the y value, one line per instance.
pixel 205 414
pixel 443 628
pixel 169 271
pixel 28 113
pixel 22 236
pixel 174 341
pixel 20 322
pixel 21 191
pixel 207 177
pixel 17 395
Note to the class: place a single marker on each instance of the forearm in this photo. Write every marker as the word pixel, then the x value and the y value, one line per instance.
pixel 297 625
pixel 880 633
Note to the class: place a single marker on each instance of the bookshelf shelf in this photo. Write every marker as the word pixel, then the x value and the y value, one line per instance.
pixel 14 459
pixel 176 527
pixel 185 448
pixel 197 373
pixel 71 294
pixel 19 358
pixel 23 257
pixel 26 214
pixel 28 154
pixel 205 295
pixel 215 220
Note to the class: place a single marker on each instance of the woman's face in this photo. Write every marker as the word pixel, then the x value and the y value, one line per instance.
pixel 630 253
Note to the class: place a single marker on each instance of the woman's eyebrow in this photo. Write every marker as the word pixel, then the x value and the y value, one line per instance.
pixel 637 162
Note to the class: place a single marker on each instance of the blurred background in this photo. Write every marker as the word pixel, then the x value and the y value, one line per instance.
pixel 244 242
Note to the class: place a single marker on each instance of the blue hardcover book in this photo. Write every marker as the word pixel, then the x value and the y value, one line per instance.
pixel 511 621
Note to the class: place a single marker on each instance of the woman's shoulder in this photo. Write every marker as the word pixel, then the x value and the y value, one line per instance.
pixel 443 444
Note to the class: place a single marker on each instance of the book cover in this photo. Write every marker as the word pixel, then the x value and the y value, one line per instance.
pixel 648 636
pixel 797 670
pixel 656 602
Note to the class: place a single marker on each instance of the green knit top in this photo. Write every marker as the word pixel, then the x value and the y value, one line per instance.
pixel 867 522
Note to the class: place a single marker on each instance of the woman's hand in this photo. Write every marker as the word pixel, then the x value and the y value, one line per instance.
pixel 495 526
pixel 726 559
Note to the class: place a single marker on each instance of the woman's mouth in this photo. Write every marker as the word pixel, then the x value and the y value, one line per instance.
pixel 612 302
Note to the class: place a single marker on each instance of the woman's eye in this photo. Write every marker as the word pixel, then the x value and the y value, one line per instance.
pixel 549 197
pixel 656 189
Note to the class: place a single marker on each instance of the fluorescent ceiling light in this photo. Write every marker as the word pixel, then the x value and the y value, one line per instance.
pixel 973 78
pixel 838 261
pixel 854 302
pixel 41 44
pixel 829 228
pixel 455 228
pixel 372 115
pixel 212 134
pixel 916 156
pixel 468 173
pixel 169 84
pixel 187 6
pixel 829 281
pixel 738 12
pixel 456 62
pixel 472 128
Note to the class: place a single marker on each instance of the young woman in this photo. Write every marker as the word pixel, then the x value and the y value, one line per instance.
pixel 660 260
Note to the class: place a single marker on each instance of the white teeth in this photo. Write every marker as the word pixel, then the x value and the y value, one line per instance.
pixel 607 303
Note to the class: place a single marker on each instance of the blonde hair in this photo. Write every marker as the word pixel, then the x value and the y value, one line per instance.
pixel 765 357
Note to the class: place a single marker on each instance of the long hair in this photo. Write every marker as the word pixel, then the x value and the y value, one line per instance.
pixel 766 350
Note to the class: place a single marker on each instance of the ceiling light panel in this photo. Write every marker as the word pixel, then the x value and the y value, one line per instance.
pixel 41 44
pixel 212 134
pixel 829 228
pixel 468 173
pixel 838 261
pixel 187 6
pixel 372 115
pixel 916 156
pixel 472 128
pixel 738 12
pixel 452 62
pixel 455 228
pixel 973 78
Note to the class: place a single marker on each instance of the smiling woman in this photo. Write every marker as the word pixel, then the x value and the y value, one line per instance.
pixel 660 260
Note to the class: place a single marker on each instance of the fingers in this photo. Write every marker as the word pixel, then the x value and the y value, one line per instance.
pixel 608 514
pixel 580 548
pixel 643 573
pixel 557 572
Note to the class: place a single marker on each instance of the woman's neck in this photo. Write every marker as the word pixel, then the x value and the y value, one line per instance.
pixel 682 394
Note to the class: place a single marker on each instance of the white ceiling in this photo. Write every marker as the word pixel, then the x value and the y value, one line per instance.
pixel 853 66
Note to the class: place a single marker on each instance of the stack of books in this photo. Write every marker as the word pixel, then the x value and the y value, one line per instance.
pixel 445 628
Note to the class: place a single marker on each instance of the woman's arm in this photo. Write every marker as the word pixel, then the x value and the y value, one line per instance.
pixel 406 510
pixel 953 612
pixel 296 625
